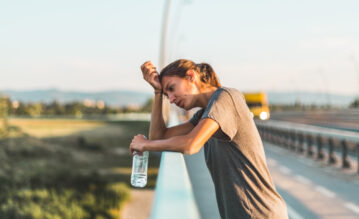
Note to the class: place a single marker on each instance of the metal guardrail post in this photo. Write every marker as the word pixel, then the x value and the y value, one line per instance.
pixel 300 142
pixel 277 136
pixel 287 140
pixel 310 151
pixel 303 138
pixel 274 136
pixel 320 151
pixel 281 137
pixel 345 157
pixel 294 141
pixel 332 158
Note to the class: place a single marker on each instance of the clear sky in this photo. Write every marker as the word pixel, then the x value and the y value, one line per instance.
pixel 89 45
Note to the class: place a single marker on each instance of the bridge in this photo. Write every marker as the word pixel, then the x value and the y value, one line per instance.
pixel 315 169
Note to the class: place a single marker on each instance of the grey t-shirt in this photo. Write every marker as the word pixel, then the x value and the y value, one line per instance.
pixel 236 160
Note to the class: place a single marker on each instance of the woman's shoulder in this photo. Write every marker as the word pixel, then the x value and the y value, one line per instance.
pixel 233 92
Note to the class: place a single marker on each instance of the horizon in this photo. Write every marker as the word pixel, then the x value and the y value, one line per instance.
pixel 150 92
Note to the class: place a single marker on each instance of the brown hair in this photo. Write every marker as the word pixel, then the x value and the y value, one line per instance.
pixel 180 67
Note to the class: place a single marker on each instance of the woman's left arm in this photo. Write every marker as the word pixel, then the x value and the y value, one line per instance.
pixel 190 143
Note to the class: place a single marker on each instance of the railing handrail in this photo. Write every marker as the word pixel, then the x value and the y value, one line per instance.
pixel 173 194
pixel 310 129
pixel 302 138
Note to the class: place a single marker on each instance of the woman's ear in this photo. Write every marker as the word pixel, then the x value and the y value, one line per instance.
pixel 190 74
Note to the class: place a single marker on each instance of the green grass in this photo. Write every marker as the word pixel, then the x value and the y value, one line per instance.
pixel 72 167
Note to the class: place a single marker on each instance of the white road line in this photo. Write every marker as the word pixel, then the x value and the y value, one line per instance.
pixel 284 170
pixel 352 206
pixel 302 179
pixel 292 213
pixel 272 162
pixel 325 191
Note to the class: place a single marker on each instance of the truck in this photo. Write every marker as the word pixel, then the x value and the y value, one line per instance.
pixel 258 104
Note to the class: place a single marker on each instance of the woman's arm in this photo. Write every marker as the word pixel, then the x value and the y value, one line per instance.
pixel 158 129
pixel 157 124
pixel 190 143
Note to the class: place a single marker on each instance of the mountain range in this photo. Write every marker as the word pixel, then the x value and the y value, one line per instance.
pixel 126 97
pixel 112 98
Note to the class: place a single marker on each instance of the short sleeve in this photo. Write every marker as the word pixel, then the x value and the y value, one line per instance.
pixel 221 109
pixel 196 117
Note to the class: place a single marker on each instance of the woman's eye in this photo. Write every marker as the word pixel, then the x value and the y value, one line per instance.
pixel 171 88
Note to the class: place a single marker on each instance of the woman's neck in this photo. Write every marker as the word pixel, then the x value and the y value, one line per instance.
pixel 205 96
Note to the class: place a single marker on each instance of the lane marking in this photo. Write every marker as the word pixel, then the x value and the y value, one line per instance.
pixel 352 206
pixel 284 170
pixel 302 179
pixel 272 162
pixel 292 213
pixel 325 191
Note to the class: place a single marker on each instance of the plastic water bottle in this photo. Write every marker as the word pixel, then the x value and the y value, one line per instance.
pixel 139 169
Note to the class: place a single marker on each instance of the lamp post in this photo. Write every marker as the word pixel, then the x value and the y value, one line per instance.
pixel 163 57
pixel 166 12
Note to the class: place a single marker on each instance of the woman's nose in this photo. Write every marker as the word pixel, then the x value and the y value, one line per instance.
pixel 171 98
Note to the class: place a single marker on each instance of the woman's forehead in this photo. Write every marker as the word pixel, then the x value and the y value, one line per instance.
pixel 167 80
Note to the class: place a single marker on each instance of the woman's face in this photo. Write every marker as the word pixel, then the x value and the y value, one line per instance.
pixel 180 91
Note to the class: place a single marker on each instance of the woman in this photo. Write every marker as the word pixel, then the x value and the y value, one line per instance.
pixel 233 148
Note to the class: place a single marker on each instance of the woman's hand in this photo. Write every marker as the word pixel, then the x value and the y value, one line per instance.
pixel 150 75
pixel 138 143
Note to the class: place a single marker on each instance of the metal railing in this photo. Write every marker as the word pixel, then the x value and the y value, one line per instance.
pixel 173 194
pixel 305 138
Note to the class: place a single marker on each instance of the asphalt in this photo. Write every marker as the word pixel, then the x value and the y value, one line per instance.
pixel 310 188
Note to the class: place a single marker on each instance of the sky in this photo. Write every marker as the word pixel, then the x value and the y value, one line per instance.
pixel 94 46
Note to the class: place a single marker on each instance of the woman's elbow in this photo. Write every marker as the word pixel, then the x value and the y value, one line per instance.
pixel 157 135
pixel 191 149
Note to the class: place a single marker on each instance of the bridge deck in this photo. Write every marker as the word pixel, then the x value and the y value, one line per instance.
pixel 310 189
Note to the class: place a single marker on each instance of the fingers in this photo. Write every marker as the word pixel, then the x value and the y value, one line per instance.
pixel 148 67
pixel 135 144
pixel 147 64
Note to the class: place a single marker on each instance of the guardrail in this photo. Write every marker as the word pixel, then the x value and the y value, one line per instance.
pixel 304 138
pixel 173 194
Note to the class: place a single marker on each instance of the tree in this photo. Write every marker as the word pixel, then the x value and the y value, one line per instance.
pixel 3 114
pixel 147 107
pixel 355 103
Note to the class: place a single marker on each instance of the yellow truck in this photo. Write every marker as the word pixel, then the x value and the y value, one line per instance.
pixel 258 105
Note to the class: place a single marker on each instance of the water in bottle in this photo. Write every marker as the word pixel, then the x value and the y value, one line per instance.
pixel 139 169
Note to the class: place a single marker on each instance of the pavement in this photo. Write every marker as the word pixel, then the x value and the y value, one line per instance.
pixel 140 205
pixel 311 189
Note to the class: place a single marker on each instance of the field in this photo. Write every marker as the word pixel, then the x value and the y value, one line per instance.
pixel 57 168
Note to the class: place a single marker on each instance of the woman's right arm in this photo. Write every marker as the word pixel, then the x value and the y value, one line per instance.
pixel 158 129
pixel 157 124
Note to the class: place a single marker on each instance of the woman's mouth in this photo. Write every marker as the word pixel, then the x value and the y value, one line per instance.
pixel 179 104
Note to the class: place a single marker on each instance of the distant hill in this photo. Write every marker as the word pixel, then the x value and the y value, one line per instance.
pixel 125 97
pixel 309 98
pixel 113 98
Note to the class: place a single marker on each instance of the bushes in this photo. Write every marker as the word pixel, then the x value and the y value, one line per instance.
pixel 95 199
pixel 39 181
pixel 42 204
pixel 65 203
pixel 70 176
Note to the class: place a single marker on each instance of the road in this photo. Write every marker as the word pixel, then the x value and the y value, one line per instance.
pixel 347 119
pixel 311 189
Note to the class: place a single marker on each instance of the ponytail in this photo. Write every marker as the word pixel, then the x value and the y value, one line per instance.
pixel 207 74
